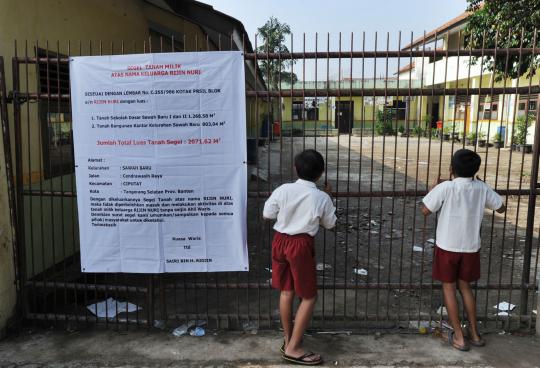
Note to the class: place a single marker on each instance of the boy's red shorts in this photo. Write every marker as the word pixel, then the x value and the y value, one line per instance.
pixel 451 266
pixel 293 264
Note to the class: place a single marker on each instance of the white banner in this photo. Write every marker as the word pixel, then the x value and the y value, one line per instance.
pixel 160 161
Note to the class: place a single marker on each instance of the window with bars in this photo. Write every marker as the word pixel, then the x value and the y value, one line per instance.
pixel 54 116
pixel 527 104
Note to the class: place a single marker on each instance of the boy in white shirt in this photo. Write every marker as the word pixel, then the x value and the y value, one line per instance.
pixel 298 208
pixel 456 259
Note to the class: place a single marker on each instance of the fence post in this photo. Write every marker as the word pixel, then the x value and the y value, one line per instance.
pixel 526 274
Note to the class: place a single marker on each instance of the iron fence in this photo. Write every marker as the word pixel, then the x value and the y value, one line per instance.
pixel 374 268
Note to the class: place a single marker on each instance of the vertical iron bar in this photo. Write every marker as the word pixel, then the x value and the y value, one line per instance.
pixel 362 125
pixel 21 249
pixel 371 175
pixel 533 185
pixel 64 274
pixel 520 186
pixel 347 228
pixel 391 232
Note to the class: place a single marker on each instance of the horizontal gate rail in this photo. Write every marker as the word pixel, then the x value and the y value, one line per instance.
pixel 351 194
pixel 253 317
pixel 382 54
pixel 85 286
pixel 344 92
pixel 262 285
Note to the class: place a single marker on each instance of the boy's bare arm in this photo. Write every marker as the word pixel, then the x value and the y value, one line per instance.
pixel 425 211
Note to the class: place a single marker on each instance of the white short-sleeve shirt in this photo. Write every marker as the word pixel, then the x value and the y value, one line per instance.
pixel 461 203
pixel 300 208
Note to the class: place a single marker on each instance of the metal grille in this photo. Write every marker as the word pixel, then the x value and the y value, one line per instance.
pixel 380 162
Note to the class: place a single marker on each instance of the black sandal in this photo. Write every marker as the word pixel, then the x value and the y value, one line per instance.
pixel 464 347
pixel 476 343
pixel 302 359
pixel 282 348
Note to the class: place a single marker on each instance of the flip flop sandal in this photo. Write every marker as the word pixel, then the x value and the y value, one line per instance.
pixel 477 343
pixel 463 347
pixel 282 348
pixel 302 359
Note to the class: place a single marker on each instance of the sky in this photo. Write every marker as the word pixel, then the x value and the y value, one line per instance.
pixel 345 16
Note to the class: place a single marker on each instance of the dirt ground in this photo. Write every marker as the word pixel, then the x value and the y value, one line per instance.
pixel 94 348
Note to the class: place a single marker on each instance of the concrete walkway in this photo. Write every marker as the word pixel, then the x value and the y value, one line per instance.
pixel 93 348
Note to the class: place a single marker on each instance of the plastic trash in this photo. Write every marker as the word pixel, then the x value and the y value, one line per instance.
pixel 198 332
pixel 504 307
pixel 111 307
pixel 180 330
pixel 323 266
pixel 360 271
pixel 268 269
pixel 430 241
pixel 251 326
pixel 442 310
pixel 160 324
pixel 418 248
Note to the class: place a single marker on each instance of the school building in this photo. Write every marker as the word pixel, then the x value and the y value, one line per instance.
pixel 487 115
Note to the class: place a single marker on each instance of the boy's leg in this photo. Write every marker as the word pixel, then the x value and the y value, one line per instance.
pixel 301 257
pixel 301 321
pixel 450 300
pixel 286 299
pixel 470 308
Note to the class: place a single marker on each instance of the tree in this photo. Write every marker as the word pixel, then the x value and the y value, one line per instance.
pixel 273 34
pixel 504 24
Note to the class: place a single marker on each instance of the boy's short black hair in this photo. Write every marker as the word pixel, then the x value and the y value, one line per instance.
pixel 465 163
pixel 309 165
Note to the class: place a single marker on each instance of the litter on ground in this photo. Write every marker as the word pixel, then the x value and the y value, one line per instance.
pixel 504 307
pixel 323 266
pixel 111 307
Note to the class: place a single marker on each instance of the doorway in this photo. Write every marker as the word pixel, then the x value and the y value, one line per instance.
pixel 344 116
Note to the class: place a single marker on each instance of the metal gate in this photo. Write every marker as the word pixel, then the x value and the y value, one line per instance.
pixel 374 268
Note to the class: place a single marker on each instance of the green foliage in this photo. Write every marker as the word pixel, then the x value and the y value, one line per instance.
pixel 272 34
pixel 504 24
pixel 497 138
pixel 428 119
pixel 448 129
pixel 418 131
pixel 401 129
pixel 471 136
pixel 481 136
pixel 522 128
pixel 383 123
